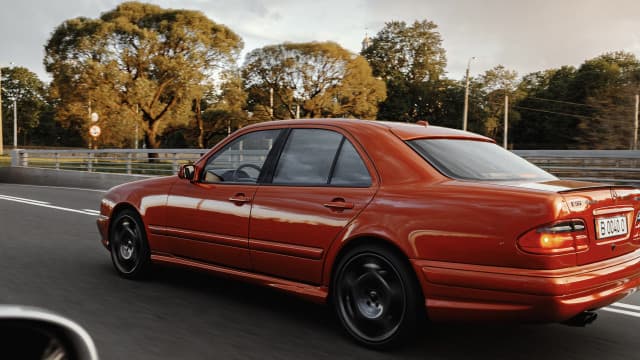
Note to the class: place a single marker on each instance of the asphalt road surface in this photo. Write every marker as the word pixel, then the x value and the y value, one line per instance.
pixel 50 257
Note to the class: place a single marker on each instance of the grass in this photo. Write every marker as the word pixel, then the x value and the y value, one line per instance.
pixel 5 160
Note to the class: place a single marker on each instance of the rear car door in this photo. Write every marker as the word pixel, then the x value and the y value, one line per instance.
pixel 208 219
pixel 321 181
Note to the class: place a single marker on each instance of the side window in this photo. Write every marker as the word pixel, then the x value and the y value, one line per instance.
pixel 349 169
pixel 307 157
pixel 241 161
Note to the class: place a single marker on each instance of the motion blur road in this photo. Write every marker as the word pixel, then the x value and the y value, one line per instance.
pixel 50 257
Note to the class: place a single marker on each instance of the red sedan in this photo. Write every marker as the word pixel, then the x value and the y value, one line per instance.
pixel 388 222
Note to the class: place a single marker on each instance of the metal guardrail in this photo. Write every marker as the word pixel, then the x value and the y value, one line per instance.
pixel 616 166
pixel 127 161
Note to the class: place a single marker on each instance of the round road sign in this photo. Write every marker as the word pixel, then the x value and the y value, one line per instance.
pixel 94 131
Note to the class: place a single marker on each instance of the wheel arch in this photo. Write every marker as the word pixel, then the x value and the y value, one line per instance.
pixel 114 213
pixel 363 240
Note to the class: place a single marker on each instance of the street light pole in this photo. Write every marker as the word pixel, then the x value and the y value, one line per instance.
pixel 466 97
pixel 15 124
pixel 635 132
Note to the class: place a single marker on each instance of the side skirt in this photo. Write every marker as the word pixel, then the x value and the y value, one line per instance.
pixel 317 294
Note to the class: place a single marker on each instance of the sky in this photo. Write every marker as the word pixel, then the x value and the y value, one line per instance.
pixel 524 36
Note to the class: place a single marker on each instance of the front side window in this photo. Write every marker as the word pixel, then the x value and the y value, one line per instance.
pixel 241 161
pixel 477 160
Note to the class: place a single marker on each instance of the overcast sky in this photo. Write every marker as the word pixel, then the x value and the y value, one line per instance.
pixel 523 35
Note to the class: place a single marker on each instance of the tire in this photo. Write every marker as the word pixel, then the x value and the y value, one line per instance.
pixel 376 297
pixel 128 245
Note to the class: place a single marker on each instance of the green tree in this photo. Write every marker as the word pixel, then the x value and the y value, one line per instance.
pixel 29 93
pixel 412 61
pixel 323 79
pixel 549 113
pixel 497 83
pixel 138 62
pixel 608 85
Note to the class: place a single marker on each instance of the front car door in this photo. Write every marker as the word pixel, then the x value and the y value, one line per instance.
pixel 208 219
pixel 319 184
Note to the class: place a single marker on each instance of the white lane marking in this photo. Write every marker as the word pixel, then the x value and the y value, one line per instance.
pixel 57 187
pixel 44 204
pixel 91 211
pixel 626 306
pixel 23 199
pixel 624 312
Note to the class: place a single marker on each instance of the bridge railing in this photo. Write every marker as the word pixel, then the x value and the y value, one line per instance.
pixel 617 166
pixel 126 161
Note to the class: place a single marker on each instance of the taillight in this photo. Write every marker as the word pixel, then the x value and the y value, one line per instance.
pixel 561 237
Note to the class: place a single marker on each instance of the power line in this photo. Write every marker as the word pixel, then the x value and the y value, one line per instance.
pixel 560 101
pixel 570 115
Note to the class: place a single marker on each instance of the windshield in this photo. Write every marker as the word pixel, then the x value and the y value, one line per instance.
pixel 477 160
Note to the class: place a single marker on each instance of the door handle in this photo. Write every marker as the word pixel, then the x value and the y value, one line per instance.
pixel 239 199
pixel 338 205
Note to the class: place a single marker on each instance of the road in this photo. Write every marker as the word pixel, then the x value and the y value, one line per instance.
pixel 51 257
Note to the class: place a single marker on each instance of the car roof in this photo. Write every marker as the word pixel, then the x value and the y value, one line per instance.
pixel 405 131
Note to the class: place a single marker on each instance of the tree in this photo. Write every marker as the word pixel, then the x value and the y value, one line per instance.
pixel 29 92
pixel 138 62
pixel 497 83
pixel 549 113
pixel 609 84
pixel 412 61
pixel 322 79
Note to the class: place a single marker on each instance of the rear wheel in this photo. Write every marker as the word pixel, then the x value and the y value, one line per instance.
pixel 376 297
pixel 129 247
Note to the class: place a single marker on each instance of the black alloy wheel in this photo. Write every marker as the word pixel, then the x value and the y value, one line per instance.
pixel 376 297
pixel 128 244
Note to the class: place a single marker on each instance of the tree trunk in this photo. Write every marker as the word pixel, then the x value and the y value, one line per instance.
pixel 198 111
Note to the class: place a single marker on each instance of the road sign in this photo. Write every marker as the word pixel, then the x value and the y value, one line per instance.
pixel 94 117
pixel 94 131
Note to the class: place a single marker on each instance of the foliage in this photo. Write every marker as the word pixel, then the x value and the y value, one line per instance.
pixel 29 93
pixel 591 107
pixel 137 63
pixel 411 60
pixel 323 79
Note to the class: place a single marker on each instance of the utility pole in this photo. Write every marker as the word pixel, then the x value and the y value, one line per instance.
pixel 15 124
pixel 506 121
pixel 466 97
pixel 635 133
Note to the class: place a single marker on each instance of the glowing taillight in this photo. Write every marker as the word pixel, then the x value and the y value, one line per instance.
pixel 561 237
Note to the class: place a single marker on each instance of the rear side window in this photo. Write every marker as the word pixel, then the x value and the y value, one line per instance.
pixel 350 170
pixel 320 157
pixel 477 160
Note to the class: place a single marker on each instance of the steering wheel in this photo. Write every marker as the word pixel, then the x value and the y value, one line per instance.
pixel 236 172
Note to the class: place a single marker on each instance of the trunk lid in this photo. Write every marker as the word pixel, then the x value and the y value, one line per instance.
pixel 610 214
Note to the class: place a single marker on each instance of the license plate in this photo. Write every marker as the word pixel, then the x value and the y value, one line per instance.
pixel 611 226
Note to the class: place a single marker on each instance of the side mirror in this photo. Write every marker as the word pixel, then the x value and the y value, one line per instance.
pixel 32 333
pixel 187 172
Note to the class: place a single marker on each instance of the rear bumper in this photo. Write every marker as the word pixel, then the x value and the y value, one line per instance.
pixel 103 228
pixel 463 292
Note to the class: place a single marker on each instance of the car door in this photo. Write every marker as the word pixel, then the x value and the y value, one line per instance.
pixel 208 219
pixel 319 184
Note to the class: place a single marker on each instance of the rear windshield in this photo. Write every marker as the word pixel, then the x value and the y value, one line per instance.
pixel 477 160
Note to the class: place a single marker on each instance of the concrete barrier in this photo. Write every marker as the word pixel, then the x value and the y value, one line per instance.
pixel 64 178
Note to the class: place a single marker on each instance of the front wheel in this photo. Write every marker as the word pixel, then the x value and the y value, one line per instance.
pixel 376 297
pixel 129 248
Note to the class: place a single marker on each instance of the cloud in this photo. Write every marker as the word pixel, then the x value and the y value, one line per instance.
pixel 522 35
